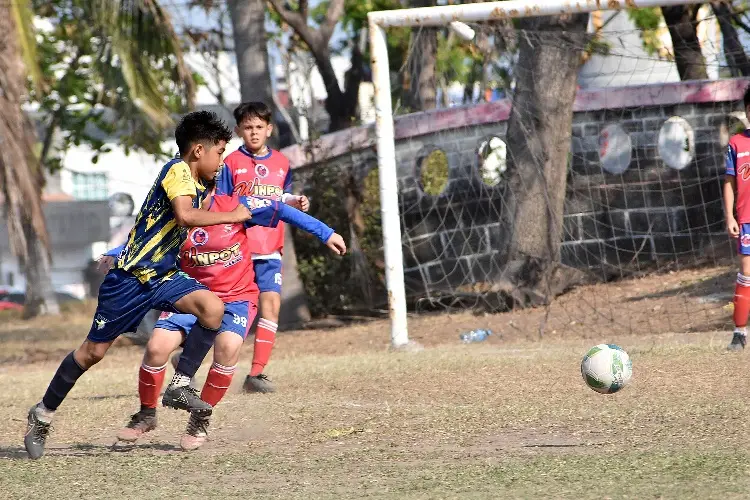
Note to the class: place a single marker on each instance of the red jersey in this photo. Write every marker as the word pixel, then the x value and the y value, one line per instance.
pixel 219 256
pixel 266 176
pixel 738 165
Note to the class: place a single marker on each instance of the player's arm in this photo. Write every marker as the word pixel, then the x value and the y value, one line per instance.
pixel 300 202
pixel 180 188
pixel 730 191
pixel 268 213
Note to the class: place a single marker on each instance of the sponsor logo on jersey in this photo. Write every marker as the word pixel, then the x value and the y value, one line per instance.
pixel 199 237
pixel 253 202
pixel 744 171
pixel 254 188
pixel 227 257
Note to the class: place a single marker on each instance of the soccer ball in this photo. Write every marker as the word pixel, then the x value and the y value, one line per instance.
pixel 606 368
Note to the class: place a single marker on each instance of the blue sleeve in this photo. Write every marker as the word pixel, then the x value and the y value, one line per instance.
pixel 115 251
pixel 224 181
pixel 288 181
pixel 731 161
pixel 268 213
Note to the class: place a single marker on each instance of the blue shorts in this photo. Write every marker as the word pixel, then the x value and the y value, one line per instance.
pixel 124 301
pixel 238 316
pixel 268 275
pixel 743 242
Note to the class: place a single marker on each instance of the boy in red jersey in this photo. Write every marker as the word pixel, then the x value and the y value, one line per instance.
pixel 737 197
pixel 220 258
pixel 256 170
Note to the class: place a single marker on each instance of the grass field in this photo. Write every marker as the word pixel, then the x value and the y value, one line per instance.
pixel 508 418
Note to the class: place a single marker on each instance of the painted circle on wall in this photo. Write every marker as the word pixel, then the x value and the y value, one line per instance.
pixel 615 149
pixel 677 143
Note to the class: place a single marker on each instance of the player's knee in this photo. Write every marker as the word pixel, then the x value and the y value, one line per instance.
pixel 157 351
pixel 211 313
pixel 90 353
pixel 270 305
pixel 227 348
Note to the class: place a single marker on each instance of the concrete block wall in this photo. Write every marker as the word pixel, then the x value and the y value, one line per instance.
pixel 649 213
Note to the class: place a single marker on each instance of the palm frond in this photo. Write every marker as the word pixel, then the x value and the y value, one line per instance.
pixel 146 45
pixel 23 18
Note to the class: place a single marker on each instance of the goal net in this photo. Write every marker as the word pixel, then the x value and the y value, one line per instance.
pixel 564 172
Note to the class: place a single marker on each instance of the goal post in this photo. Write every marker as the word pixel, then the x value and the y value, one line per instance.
pixel 379 22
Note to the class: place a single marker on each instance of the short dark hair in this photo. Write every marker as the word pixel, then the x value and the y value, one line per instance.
pixel 203 127
pixel 254 109
pixel 746 98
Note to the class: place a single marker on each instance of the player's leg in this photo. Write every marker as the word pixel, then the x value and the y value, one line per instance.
pixel 209 311
pixel 167 336
pixel 123 302
pixel 742 292
pixel 237 317
pixel 268 278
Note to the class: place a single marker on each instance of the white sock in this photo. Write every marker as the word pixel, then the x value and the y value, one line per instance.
pixel 43 413
pixel 179 380
pixel 742 330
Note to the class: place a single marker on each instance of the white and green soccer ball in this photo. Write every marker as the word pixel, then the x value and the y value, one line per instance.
pixel 606 368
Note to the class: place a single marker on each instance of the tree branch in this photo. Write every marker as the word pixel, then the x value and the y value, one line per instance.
pixel 293 19
pixel 303 8
pixel 334 13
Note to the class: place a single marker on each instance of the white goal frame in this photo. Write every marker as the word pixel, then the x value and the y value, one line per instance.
pixel 453 15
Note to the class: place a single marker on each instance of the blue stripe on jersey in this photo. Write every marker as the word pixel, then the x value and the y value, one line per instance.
pixel 267 213
pixel 730 161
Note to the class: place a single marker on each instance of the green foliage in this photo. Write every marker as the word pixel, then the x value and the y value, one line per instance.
pixel 97 89
pixel 329 282
pixel 648 21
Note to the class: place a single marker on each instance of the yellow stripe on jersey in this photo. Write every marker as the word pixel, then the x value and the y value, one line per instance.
pixel 179 182
pixel 154 242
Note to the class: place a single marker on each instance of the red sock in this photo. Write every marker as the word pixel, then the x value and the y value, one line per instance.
pixel 265 335
pixel 217 383
pixel 741 300
pixel 150 380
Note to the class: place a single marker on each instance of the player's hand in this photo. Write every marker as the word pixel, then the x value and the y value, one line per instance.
pixel 304 203
pixel 241 213
pixel 733 228
pixel 105 263
pixel 336 244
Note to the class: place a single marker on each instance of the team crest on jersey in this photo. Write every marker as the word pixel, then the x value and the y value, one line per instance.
pixel 261 170
pixel 745 240
pixel 199 237
pixel 165 315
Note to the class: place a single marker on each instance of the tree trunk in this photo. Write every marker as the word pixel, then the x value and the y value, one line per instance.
pixel 336 105
pixel 40 295
pixel 21 179
pixel 733 50
pixel 681 21
pixel 421 93
pixel 250 47
pixel 539 134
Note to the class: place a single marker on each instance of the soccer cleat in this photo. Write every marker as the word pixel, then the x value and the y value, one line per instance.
pixel 140 423
pixel 37 431
pixel 258 383
pixel 196 433
pixel 186 398
pixel 739 339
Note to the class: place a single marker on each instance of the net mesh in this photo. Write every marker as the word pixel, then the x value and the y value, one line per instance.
pixel 642 216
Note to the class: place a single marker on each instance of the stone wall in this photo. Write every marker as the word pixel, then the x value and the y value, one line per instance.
pixel 635 195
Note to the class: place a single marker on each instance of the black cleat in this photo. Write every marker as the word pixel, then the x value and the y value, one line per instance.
pixel 37 431
pixel 259 383
pixel 186 398
pixel 140 423
pixel 738 342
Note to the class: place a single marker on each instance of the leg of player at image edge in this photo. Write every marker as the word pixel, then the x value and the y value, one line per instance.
pixel 741 310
